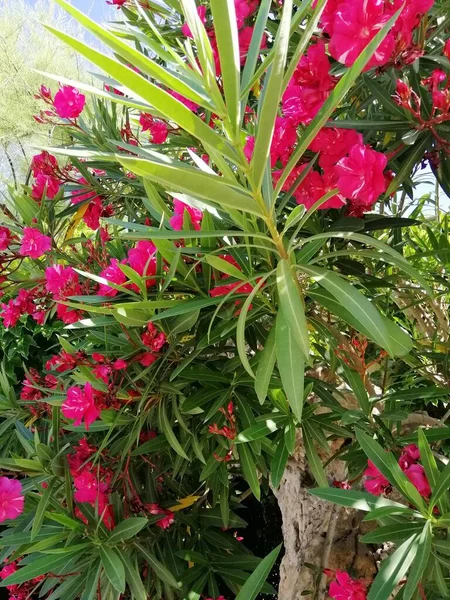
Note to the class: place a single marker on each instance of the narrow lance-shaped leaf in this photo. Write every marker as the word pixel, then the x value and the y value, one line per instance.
pixel 255 582
pixel 291 364
pixel 292 305
pixel 265 367
pixel 225 27
pixel 272 94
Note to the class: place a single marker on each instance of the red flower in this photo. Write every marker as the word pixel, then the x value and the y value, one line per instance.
pixel 376 483
pixel 117 3
pixel 11 499
pixel 346 588
pixel 114 274
pixel 356 23
pixel 360 175
pixel 34 243
pixel 69 102
pixel 194 215
pixel 80 405
pixel 5 238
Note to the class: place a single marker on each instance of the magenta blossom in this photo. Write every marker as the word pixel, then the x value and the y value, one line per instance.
pixel 142 259
pixel 416 474
pixel 79 405
pixel 69 102
pixel 117 3
pixel 11 499
pixel 181 209
pixel 34 243
pixel 45 185
pixel 360 175
pixel 5 238
pixel 356 23
pixel 376 483
pixel 346 588
pixel 334 144
pixel 114 274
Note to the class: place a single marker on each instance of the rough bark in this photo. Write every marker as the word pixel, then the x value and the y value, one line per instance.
pixel 317 533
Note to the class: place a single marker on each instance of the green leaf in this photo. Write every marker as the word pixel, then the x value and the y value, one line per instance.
pixel 168 432
pixel 265 367
pixel 441 486
pixel 392 533
pixel 42 507
pixel 431 470
pixel 179 177
pixel 354 499
pixel 272 93
pixel 257 431
pixel 291 365
pixel 419 563
pixel 168 106
pixel 314 462
pixel 91 589
pixel 160 570
pixel 393 569
pixel 356 383
pixel 255 582
pixel 225 27
pixel 249 469
pixel 292 305
pixel 113 568
pixel 408 163
pixel 362 310
pixel 388 466
pixel 40 566
pixel 224 266
pixel 278 464
pixel 127 529
pixel 133 578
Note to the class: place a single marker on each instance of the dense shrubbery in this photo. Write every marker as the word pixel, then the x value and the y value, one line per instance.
pixel 208 246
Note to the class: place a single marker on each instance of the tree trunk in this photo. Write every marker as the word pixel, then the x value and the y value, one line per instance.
pixel 317 533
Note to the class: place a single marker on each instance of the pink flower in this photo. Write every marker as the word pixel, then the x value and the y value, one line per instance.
pixel 158 129
pixel 117 3
pixel 283 142
pixel 376 483
pixel 5 238
pixel 201 11
pixel 327 18
pixel 10 314
pixel 147 358
pixel 60 279
pixel 152 338
pixel 44 163
pixel 11 499
pixel 356 22
pixel 309 87
pixel 409 18
pixel 416 474
pixel 142 259
pixel 245 39
pixel 346 588
pixel 446 51
pixel 334 144
pixel 8 570
pixel 69 102
pixel 244 9
pixel 410 455
pixel 112 273
pixel 194 215
pixel 167 520
pixel 45 185
pixel 313 188
pixel 360 175
pixel 80 405
pixel 89 488
pixel 120 364
pixel 34 243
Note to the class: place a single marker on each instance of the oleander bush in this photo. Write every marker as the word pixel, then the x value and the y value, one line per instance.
pixel 226 265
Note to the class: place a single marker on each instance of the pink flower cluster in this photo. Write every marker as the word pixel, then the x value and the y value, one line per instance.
pixel 154 340
pixel 28 302
pixel 91 482
pixel 47 176
pixel 62 282
pixel 80 405
pixel 226 288
pixel 68 104
pixel 352 25
pixel 377 484
pixel 158 129
pixel 22 591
